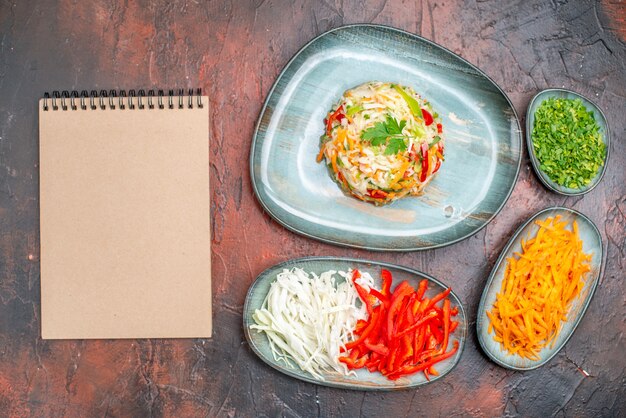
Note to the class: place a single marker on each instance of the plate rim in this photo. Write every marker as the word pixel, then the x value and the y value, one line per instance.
pixel 514 238
pixel 543 177
pixel 292 228
pixel 291 262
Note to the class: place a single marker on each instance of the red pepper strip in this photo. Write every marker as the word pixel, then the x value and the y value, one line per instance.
pixel 374 320
pixel 418 344
pixel 454 311
pixel 435 328
pixel 415 307
pixel 446 325
pixel 409 312
pixel 439 128
pixel 402 290
pixel 403 315
pixel 360 326
pixel 453 326
pixel 428 118
pixel 438 309
pixel 426 375
pixel 391 358
pixel 381 297
pixel 422 306
pixel 437 166
pixel 432 342
pixel 424 172
pixel 373 367
pixel 430 315
pixel 336 115
pixel 405 352
pixel 423 366
pixel 438 297
pixel 421 289
pixel 373 362
pixel 377 348
pixel 377 194
pixel 386 288
pixel 425 355
pixel 353 364
pixel 367 298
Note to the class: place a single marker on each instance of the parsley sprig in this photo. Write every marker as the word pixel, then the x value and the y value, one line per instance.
pixel 388 132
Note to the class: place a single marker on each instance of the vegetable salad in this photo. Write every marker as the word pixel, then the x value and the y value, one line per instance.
pixel 382 142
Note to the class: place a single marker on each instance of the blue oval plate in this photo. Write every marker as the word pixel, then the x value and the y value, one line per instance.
pixel 483 143
pixel 364 380
pixel 592 243
pixel 530 122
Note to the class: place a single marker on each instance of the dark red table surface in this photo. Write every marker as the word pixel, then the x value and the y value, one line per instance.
pixel 234 51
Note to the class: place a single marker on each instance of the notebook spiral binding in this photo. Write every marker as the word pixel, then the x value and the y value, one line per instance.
pixel 111 99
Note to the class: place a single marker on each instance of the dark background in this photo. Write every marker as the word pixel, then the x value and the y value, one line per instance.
pixel 234 51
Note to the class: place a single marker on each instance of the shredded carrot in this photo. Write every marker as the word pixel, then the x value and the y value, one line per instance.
pixel 539 286
pixel 320 156
pixel 400 173
pixel 341 136
pixel 334 163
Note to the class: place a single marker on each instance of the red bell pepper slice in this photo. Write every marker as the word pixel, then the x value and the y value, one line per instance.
pixel 337 115
pixel 446 325
pixel 402 290
pixel 430 315
pixel 439 128
pixel 421 289
pixel 374 320
pixel 438 297
pixel 361 324
pixel 437 166
pixel 453 325
pixel 423 366
pixel 382 298
pixel 353 364
pixel 379 348
pixel 424 172
pixel 368 299
pixel 428 118
pixel 386 287
pixel 406 352
pixel 418 344
pixel 377 194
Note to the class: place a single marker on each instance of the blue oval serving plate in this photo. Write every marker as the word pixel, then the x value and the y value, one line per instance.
pixel 592 243
pixel 364 380
pixel 483 143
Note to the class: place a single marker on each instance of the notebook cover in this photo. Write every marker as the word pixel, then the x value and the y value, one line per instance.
pixel 125 222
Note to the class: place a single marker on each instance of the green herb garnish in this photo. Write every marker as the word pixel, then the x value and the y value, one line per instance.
pixel 410 100
pixel 351 110
pixel 394 146
pixel 437 139
pixel 567 142
pixel 388 132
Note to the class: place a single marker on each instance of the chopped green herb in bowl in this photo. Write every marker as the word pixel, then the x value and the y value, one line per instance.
pixel 567 141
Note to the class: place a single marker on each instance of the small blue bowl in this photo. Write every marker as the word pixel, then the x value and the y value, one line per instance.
pixel 604 131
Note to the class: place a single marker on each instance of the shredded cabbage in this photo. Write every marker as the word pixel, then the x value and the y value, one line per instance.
pixel 309 318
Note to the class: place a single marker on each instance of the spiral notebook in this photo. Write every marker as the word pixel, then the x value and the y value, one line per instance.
pixel 125 215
